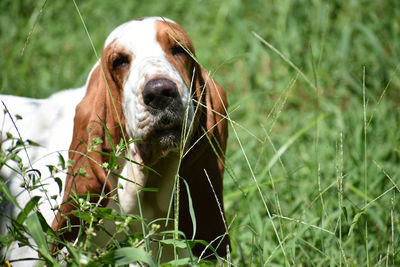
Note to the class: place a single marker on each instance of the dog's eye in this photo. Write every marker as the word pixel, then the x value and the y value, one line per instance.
pixel 178 50
pixel 121 61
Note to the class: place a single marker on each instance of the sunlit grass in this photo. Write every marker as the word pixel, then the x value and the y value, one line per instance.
pixel 312 163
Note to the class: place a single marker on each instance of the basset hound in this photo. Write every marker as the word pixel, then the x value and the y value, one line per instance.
pixel 146 87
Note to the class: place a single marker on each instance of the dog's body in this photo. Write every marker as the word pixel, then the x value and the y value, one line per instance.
pixel 146 86
pixel 53 136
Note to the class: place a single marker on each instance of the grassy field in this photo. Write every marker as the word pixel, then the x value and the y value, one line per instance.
pixel 313 156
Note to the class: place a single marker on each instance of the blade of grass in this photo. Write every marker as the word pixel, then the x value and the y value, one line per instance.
pixel 291 64
pixel 365 164
pixel 290 141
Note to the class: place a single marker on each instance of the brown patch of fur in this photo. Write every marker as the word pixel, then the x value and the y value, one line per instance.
pixel 170 35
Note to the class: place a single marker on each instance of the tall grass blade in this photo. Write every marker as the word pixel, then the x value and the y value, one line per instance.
pixel 191 209
pixel 290 141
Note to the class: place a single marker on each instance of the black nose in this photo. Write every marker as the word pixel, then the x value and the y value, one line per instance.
pixel 159 93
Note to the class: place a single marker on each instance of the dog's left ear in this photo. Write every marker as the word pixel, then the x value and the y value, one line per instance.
pixel 203 168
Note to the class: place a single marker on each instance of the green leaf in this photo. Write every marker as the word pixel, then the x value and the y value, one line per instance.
pixel 82 172
pixel 32 143
pixel 109 138
pixel 108 214
pixel 122 146
pixel 16 158
pixel 149 189
pixel 70 162
pixel 127 255
pixel 84 216
pixel 28 208
pixel 180 262
pixel 61 161
pixel 34 175
pixel 113 162
pixel 191 209
pixel 59 183
pixel 96 141
pixel 45 226
pixel 7 194
pixel 176 242
pixel 355 220
pixel 35 229
pixel 345 213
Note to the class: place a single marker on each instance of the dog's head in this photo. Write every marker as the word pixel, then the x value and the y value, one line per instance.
pixel 148 86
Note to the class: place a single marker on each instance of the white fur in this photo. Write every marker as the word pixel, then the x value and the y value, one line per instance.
pixel 148 61
pixel 50 122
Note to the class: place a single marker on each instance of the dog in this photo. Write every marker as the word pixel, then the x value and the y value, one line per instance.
pixel 149 95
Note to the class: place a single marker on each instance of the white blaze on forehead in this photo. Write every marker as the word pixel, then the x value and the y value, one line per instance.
pixel 138 36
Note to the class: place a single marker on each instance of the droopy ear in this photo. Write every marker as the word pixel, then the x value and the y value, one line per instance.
pixel 86 175
pixel 204 164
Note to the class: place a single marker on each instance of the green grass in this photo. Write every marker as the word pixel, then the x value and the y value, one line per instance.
pixel 313 156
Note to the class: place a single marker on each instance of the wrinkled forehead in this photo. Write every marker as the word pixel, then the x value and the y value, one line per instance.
pixel 143 36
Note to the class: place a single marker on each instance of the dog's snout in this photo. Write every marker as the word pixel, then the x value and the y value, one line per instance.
pixel 159 93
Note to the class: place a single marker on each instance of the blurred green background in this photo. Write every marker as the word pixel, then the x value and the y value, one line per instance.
pixel 306 183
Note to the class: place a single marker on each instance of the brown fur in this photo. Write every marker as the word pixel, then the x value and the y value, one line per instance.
pixel 206 158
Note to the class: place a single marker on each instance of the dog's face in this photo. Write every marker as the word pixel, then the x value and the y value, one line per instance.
pixel 151 62
pixel 143 87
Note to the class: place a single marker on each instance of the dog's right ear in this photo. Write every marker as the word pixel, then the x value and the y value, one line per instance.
pixel 86 175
